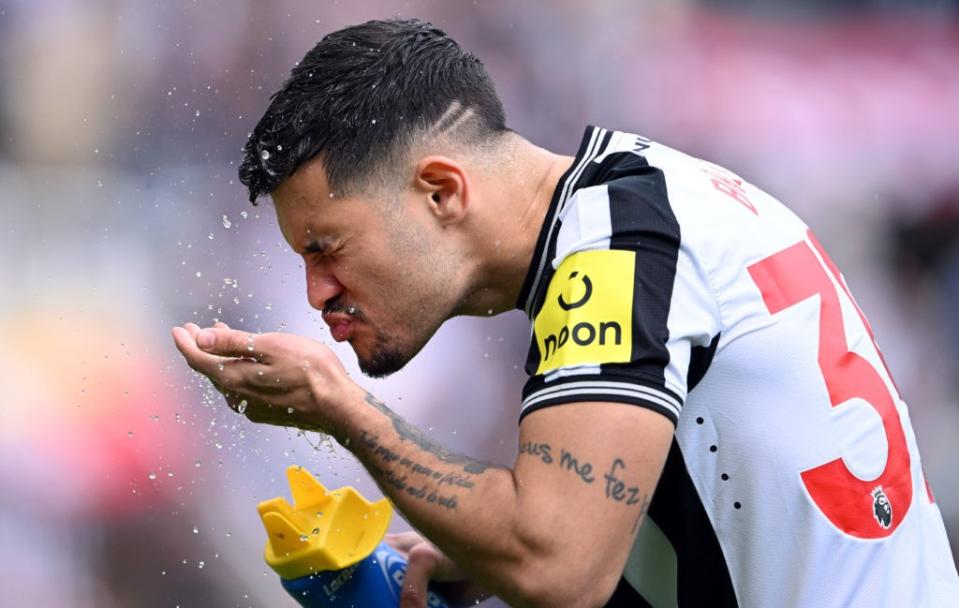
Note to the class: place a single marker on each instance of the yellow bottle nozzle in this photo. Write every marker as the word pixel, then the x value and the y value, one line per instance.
pixel 322 530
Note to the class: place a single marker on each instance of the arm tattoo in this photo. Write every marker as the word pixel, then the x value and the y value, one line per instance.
pixel 408 432
pixel 418 481
pixel 616 488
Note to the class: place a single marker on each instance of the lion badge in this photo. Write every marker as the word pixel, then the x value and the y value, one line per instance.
pixel 881 508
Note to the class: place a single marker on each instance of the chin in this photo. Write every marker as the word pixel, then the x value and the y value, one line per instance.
pixel 382 363
pixel 381 360
pixel 385 357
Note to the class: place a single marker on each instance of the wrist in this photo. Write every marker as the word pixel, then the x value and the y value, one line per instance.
pixel 340 403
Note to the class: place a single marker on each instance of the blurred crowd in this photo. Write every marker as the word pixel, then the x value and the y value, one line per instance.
pixel 124 481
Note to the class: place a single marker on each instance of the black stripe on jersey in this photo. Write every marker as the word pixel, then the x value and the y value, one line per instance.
pixel 626 597
pixel 676 508
pixel 657 397
pixel 700 357
pixel 643 221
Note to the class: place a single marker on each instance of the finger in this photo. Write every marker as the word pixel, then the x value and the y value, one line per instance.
pixel 403 541
pixel 421 561
pixel 209 365
pixel 195 358
pixel 228 343
pixel 221 325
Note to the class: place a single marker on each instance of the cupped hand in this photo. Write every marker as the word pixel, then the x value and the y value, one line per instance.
pixel 274 378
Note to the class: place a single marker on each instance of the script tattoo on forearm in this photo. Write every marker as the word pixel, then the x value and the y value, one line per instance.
pixel 408 432
pixel 405 474
pixel 616 488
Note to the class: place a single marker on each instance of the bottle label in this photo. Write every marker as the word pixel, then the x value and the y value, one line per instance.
pixel 342 577
pixel 394 569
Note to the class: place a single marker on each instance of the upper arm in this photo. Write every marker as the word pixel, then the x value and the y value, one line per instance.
pixel 585 475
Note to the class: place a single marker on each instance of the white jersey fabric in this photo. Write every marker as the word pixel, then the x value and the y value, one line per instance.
pixel 794 478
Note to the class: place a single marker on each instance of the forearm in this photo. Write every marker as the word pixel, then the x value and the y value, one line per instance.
pixel 470 509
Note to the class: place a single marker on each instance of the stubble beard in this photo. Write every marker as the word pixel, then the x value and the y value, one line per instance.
pixel 386 357
pixel 389 354
pixel 383 361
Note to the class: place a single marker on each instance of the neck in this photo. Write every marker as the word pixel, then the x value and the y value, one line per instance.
pixel 520 191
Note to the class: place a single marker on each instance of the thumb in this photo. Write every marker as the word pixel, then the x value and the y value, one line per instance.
pixel 227 342
pixel 421 561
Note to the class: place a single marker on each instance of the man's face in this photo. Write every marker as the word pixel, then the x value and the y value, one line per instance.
pixel 370 267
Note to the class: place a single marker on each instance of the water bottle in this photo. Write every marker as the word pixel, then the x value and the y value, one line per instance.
pixel 327 547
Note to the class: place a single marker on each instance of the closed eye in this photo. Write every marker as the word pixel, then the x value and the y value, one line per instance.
pixel 322 247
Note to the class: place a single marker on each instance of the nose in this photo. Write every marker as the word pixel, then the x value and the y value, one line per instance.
pixel 321 286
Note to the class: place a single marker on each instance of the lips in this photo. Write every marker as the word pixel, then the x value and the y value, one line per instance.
pixel 341 331
pixel 341 325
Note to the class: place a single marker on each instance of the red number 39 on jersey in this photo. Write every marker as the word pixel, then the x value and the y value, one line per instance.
pixel 863 508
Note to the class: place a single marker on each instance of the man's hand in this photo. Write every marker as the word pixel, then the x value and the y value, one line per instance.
pixel 274 378
pixel 425 563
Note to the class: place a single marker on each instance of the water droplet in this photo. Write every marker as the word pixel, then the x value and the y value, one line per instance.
pixel 269 306
pixel 210 236
pixel 198 274
pixel 244 214
pixel 226 222
pixel 197 463
pixel 196 530
pixel 279 148
pixel 201 564
pixel 304 538
pixel 316 531
pixel 265 155
pixel 152 475
pixel 289 410
pixel 129 433
pixel 218 445
pixel 373 121
pixel 197 113
pixel 242 406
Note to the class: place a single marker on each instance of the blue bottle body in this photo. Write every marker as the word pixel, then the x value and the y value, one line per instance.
pixel 374 582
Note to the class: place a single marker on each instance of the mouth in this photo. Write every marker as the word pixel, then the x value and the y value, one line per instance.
pixel 341 325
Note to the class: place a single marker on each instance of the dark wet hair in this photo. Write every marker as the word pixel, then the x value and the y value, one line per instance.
pixel 361 97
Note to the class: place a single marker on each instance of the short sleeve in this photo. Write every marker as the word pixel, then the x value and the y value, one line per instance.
pixel 627 314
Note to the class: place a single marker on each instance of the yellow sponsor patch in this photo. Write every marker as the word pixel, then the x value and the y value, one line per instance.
pixel 587 315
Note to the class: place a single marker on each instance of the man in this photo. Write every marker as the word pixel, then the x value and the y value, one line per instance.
pixel 690 336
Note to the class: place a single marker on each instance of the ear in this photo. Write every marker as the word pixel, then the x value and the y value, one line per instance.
pixel 444 186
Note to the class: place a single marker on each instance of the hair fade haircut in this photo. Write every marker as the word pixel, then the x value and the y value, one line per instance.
pixel 361 97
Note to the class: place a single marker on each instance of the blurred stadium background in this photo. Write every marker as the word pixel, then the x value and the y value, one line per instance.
pixel 125 482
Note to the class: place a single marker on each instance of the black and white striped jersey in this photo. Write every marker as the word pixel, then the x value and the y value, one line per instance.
pixel 670 283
